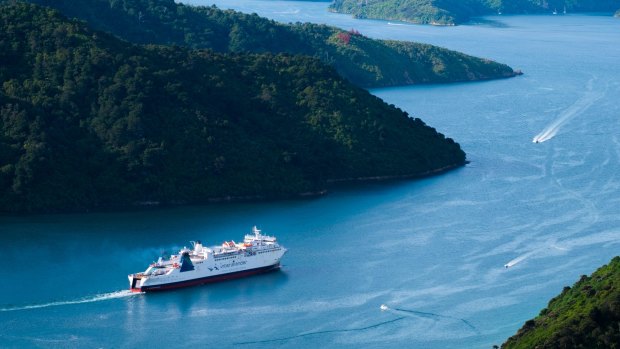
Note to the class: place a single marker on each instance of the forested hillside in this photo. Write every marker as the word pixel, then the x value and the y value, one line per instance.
pixel 363 61
pixel 89 121
pixel 451 12
pixel 586 315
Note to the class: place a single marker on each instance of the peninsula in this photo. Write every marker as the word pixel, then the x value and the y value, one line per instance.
pixel 453 12
pixel 363 61
pixel 89 121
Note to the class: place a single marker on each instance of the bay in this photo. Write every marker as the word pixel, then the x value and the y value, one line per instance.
pixel 433 250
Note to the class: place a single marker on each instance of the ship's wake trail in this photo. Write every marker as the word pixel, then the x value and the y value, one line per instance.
pixel 357 329
pixel 581 105
pixel 430 316
pixel 540 250
pixel 289 12
pixel 90 299
pixel 518 259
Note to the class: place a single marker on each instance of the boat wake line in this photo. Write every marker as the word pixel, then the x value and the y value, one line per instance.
pixel 523 257
pixel 323 332
pixel 289 12
pixel 581 105
pixel 430 316
pixel 90 299
pixel 518 259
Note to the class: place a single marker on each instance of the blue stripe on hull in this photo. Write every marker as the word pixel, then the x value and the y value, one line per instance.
pixel 209 279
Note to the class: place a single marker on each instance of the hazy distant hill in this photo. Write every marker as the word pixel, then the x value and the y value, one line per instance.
pixel 450 12
pixel 363 61
pixel 88 120
pixel 584 316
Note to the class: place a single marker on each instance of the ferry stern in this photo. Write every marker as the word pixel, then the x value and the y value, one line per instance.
pixel 134 282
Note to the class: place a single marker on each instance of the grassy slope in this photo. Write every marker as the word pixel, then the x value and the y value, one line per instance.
pixel 586 315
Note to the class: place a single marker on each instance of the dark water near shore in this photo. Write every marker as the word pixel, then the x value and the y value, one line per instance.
pixel 432 250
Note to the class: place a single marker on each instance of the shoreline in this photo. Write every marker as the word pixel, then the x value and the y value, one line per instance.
pixel 515 73
pixel 471 19
pixel 153 204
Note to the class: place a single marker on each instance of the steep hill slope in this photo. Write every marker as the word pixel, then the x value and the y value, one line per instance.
pixel 586 315
pixel 363 61
pixel 88 120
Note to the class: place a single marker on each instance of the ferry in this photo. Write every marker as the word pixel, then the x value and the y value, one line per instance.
pixel 257 254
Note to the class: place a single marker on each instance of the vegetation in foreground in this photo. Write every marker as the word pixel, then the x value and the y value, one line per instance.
pixel 451 12
pixel 586 315
pixel 91 121
pixel 363 61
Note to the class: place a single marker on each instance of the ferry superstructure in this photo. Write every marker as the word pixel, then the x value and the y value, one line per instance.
pixel 257 254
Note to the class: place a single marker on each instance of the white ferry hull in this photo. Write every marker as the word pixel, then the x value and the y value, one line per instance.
pixel 154 287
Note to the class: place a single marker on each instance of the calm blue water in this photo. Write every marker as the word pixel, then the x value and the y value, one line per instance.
pixel 433 248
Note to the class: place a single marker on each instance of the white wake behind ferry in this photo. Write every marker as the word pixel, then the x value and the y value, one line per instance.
pixel 256 254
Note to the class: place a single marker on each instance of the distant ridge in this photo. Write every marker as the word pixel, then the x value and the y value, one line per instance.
pixel 363 61
pixel 88 121
pixel 453 12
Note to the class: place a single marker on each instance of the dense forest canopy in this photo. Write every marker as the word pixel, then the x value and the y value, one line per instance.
pixel 450 12
pixel 586 315
pixel 361 60
pixel 88 120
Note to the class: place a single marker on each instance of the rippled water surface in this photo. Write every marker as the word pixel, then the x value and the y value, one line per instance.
pixel 433 251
